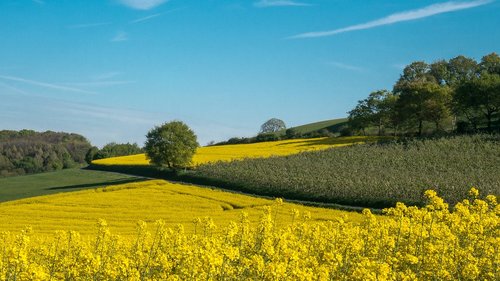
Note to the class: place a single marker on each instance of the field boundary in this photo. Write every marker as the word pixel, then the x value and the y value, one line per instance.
pixel 187 177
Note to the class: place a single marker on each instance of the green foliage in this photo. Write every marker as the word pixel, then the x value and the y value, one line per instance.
pixel 27 151
pixel 91 154
pixel 460 89
pixel 172 145
pixel 113 150
pixel 267 137
pixel 376 110
pixel 292 133
pixel 479 98
pixel 419 102
pixel 370 175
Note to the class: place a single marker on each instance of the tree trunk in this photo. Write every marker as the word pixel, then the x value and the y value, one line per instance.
pixel 488 118
pixel 420 127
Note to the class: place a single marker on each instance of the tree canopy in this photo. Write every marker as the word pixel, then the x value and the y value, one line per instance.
pixel 26 151
pixel 272 125
pixel 459 89
pixel 171 145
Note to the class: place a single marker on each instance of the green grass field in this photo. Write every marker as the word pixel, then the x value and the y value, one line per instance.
pixel 13 188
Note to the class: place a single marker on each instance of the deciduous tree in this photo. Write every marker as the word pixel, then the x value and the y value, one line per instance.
pixel 171 145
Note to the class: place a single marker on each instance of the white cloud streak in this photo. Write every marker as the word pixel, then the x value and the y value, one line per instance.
pixel 424 12
pixel 44 84
pixel 278 3
pixel 142 4
pixel 145 18
pixel 9 87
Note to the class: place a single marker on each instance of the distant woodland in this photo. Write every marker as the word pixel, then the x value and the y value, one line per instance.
pixel 26 151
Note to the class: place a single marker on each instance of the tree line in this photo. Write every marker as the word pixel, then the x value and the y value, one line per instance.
pixel 113 149
pixel 27 152
pixel 462 91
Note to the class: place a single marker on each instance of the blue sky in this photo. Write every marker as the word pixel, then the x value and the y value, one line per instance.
pixel 113 69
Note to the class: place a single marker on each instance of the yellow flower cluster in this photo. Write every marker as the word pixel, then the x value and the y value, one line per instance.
pixel 409 243
pixel 209 154
pixel 125 204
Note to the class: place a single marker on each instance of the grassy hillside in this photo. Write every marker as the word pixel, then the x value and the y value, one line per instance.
pixel 13 188
pixel 331 125
pixel 210 154
pixel 370 175
pixel 122 206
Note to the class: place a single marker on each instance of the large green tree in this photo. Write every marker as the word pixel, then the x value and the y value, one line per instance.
pixel 171 145
pixel 422 101
pixel 477 96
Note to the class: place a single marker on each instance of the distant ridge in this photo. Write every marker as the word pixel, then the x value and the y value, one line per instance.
pixel 332 125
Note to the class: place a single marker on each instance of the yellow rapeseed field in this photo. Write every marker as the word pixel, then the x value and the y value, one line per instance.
pixel 254 150
pixel 430 243
pixel 123 205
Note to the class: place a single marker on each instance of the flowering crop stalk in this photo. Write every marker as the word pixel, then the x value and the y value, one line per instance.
pixel 429 243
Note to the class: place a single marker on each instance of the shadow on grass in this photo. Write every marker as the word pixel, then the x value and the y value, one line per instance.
pixel 99 184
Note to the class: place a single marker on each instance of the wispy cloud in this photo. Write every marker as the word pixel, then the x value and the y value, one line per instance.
pixel 142 4
pixel 44 84
pixel 424 12
pixel 11 88
pixel 120 37
pixel 127 116
pixel 278 3
pixel 145 18
pixel 345 66
pixel 87 25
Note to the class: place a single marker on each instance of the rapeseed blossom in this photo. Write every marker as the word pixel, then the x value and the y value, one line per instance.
pixel 408 243
pixel 208 154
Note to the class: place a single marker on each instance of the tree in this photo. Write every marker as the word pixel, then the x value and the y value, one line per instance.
pixel 461 69
pixel 423 91
pixel 272 125
pixel 376 110
pixel 113 149
pixel 491 63
pixel 479 97
pixel 423 101
pixel 91 153
pixel 292 133
pixel 172 144
pixel 360 116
